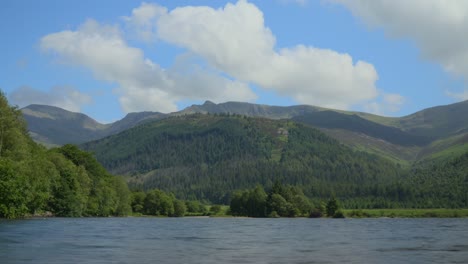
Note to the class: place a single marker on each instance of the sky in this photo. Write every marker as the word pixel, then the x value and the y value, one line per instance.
pixel 108 58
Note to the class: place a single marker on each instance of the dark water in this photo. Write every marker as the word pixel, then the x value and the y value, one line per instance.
pixel 235 240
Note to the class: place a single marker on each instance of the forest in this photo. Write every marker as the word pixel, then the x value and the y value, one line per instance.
pixel 210 157
pixel 176 166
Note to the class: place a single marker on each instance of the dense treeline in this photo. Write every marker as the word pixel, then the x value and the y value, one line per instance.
pixel 208 157
pixel 286 201
pixel 159 203
pixel 281 201
pixel 440 184
pixel 180 142
pixel 64 181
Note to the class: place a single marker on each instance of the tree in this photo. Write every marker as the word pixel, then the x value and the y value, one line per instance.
pixel 158 203
pixel 256 202
pixel 12 200
pixel 195 207
pixel 302 203
pixel 179 208
pixel 13 133
pixel 237 205
pixel 332 206
pixel 215 209
pixel 71 189
pixel 138 202
pixel 124 197
pixel 278 205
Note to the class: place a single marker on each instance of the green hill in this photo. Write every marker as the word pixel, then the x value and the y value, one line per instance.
pixel 429 133
pixel 209 156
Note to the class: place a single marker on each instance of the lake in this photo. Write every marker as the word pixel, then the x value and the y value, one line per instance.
pixel 233 240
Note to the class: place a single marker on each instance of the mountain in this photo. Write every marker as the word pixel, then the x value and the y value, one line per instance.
pixel 436 132
pixel 208 156
pixel 437 122
pixel 53 126
pixel 248 109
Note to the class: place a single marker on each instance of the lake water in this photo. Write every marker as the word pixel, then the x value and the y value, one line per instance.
pixel 233 240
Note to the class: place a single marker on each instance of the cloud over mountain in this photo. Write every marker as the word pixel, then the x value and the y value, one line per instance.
pixel 65 97
pixel 226 50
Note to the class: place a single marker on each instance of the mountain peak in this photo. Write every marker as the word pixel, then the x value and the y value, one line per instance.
pixel 208 102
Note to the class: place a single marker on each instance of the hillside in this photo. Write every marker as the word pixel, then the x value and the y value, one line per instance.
pixel 426 134
pixel 248 109
pixel 430 133
pixel 208 156
pixel 53 126
pixel 437 122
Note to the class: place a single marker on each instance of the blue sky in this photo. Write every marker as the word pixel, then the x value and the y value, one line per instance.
pixel 108 58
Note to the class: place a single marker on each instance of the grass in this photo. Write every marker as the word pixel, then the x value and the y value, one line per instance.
pixel 405 213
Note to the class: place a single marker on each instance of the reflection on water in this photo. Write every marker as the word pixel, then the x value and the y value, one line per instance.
pixel 233 240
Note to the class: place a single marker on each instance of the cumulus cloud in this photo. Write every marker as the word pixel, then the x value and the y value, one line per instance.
pixel 393 102
pixel 60 96
pixel 235 49
pixel 385 103
pixel 143 20
pixel 235 40
pixel 143 84
pixel 461 96
pixel 439 28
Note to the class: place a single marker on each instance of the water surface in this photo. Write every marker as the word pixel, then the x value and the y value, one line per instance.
pixel 233 240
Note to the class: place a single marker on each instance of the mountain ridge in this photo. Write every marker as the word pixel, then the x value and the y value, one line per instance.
pixel 403 139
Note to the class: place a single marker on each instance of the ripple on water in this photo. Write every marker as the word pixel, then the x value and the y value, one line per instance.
pixel 233 241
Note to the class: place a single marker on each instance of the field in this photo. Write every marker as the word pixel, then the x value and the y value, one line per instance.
pixel 406 213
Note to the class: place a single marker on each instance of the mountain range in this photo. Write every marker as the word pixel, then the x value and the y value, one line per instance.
pixel 432 133
pixel 209 151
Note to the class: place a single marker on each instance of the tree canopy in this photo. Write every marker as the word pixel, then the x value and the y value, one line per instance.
pixel 65 181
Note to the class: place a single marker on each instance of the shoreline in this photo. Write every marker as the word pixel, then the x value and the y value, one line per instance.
pixel 348 213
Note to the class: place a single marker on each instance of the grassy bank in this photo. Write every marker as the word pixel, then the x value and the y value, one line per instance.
pixel 405 213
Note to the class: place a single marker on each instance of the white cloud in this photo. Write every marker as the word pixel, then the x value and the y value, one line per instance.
pixel 385 103
pixel 236 49
pixel 143 84
pixel 235 40
pixel 461 96
pixel 60 96
pixel 393 102
pixel 438 27
pixel 143 20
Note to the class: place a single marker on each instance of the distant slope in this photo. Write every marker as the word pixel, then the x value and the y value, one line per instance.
pixel 437 122
pixel 421 135
pixel 362 131
pixel 133 119
pixel 248 109
pixel 208 156
pixel 404 139
pixel 53 126
pixel 336 120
